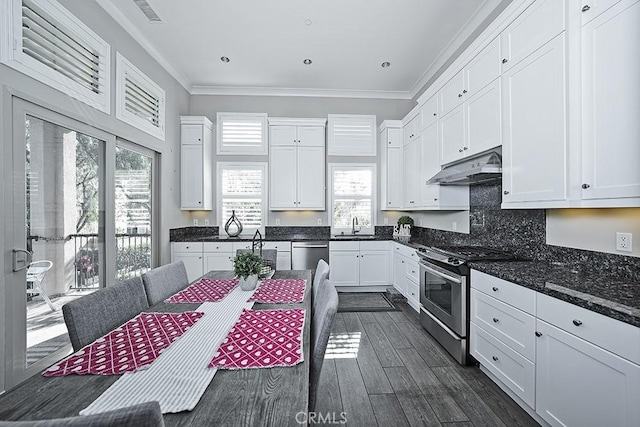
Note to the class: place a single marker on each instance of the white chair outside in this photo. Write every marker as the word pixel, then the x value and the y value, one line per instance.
pixel 35 275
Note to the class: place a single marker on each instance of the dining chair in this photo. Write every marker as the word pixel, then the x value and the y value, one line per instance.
pixel 269 256
pixel 162 282
pixel 35 275
pixel 322 274
pixel 143 415
pixel 321 324
pixel 92 316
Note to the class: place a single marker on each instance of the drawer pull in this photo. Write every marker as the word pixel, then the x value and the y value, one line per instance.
pixel 538 334
pixel 586 8
pixel 495 358
pixel 495 289
pixel 495 320
pixel 577 322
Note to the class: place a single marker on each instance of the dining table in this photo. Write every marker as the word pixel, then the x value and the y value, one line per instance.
pixel 242 397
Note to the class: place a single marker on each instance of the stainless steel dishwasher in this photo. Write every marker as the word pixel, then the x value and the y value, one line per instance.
pixel 305 255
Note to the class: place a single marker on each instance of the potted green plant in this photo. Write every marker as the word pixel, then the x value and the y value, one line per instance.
pixel 247 266
pixel 405 220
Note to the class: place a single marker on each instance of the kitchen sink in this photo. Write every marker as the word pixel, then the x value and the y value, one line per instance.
pixel 354 236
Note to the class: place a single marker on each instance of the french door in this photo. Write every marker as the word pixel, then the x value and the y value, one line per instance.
pixel 77 218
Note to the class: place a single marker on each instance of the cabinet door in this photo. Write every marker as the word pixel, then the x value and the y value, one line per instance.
pixel 310 178
pixel 345 268
pixel 534 138
pixel 483 119
pixel 451 94
pixel 374 268
pixel 192 262
pixel 409 132
pixel 430 162
pixel 191 170
pixel 282 135
pixel 541 22
pixel 399 271
pixel 593 8
pixel 394 177
pixel 483 68
pixel 451 135
pixel 282 177
pixel 218 261
pixel 191 134
pixel 429 112
pixel 611 104
pixel 580 384
pixel 311 136
pixel 408 179
pixel 394 138
pixel 283 262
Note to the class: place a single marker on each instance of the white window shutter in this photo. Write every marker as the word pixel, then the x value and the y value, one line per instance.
pixel 244 134
pixel 48 43
pixel 139 100
pixel 352 135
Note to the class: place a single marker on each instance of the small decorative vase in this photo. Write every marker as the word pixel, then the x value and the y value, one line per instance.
pixel 233 226
pixel 249 283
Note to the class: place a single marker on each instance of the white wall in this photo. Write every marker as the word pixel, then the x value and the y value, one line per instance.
pixel 593 229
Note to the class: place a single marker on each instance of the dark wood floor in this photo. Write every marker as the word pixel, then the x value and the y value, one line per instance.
pixel 383 369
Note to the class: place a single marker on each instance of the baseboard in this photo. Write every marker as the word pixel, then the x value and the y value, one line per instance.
pixel 362 288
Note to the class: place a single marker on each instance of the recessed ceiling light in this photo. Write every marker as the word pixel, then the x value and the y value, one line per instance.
pixel 386 64
pixel 224 59
pixel 307 61
pixel 308 22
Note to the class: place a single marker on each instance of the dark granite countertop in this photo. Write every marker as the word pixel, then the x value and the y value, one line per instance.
pixel 618 299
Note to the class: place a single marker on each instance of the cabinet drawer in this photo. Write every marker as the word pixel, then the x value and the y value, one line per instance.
pixel 413 292
pixel 513 327
pixel 612 335
pixel 344 246
pixel 515 295
pixel 218 247
pixel 406 251
pixel 381 245
pixel 190 247
pixel 515 371
pixel 240 245
pixel 279 246
pixel 413 271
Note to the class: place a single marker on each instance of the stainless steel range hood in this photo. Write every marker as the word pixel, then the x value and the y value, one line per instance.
pixel 484 167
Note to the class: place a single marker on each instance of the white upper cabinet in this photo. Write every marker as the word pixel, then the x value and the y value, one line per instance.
pixel 429 112
pixel 452 136
pixel 411 130
pixel 297 164
pixel 611 103
pixel 391 165
pixel 196 157
pixel 593 8
pixel 450 96
pixel 483 69
pixel 483 119
pixel 538 24
pixel 351 135
pixel 534 151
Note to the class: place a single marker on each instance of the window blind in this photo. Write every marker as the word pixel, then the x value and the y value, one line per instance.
pixel 242 134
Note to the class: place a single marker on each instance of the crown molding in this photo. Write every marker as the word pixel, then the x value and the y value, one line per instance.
pixel 133 31
pixel 301 92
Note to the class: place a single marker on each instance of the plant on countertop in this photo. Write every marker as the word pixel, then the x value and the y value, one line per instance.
pixel 405 220
pixel 247 264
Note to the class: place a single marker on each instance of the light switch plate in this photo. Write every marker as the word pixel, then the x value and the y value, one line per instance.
pixel 206 221
pixel 195 221
pixel 277 221
pixel 624 242
pixel 319 221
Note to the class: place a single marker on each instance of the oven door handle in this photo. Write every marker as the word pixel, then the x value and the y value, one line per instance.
pixel 438 273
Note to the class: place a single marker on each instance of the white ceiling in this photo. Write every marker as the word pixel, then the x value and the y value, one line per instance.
pixel 267 41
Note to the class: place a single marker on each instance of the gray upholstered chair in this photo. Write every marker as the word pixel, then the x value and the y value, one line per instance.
pixel 92 316
pixel 162 282
pixel 269 255
pixel 143 415
pixel 322 274
pixel 321 323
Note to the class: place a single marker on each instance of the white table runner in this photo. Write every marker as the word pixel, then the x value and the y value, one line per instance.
pixel 179 376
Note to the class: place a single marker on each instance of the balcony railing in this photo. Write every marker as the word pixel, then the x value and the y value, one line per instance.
pixel 133 257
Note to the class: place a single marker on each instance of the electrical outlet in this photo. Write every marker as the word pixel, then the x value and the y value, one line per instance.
pixel 206 221
pixel 624 242
pixel 386 221
pixel 454 226
pixel 277 221
pixel 195 221
pixel 319 221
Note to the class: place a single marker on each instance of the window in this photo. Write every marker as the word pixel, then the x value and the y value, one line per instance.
pixel 351 135
pixel 239 133
pixel 46 42
pixel 352 196
pixel 242 188
pixel 139 100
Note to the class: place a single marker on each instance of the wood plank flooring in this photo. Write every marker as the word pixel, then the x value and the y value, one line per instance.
pixel 383 369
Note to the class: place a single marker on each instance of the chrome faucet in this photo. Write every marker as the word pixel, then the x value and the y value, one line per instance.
pixel 354 224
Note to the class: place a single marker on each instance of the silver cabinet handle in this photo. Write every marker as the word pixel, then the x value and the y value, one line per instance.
pixel 506 192
pixel 460 150
pixel 505 60
pixel 577 322
pixel 496 320
pixel 586 7
pixel 538 334
pixel 459 95
pixel 464 91
pixel 585 186
pixel 435 114
pixel 495 358
pixel 465 148
pixel 495 289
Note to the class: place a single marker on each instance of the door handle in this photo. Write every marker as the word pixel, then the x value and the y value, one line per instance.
pixel 25 262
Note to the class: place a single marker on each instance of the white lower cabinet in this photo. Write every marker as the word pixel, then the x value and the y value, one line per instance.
pixel 406 274
pixel 191 255
pixel 569 365
pixel 356 263
pixel 399 267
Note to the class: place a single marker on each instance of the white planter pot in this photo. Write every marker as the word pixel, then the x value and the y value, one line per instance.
pixel 249 283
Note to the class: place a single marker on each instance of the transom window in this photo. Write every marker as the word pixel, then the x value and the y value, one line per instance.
pixel 352 196
pixel 242 188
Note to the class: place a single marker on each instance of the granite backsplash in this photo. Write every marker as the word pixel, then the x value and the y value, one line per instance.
pixel 522 231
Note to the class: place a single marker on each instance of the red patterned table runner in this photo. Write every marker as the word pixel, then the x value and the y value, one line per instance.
pixel 205 290
pixel 262 339
pixel 280 291
pixel 133 345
